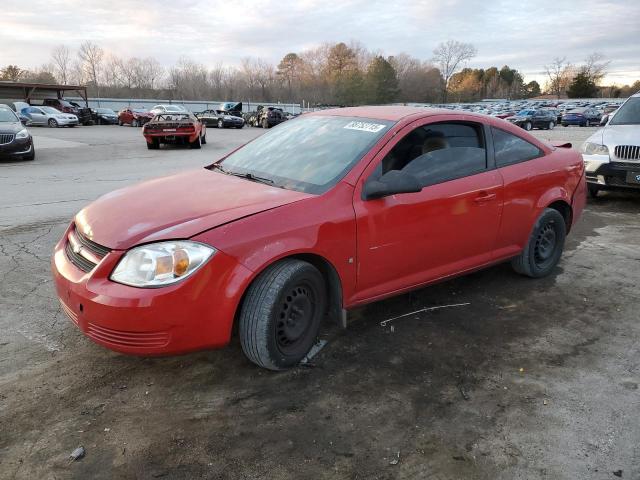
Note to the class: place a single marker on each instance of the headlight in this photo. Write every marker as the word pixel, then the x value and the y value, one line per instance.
pixel 594 149
pixel 160 264
pixel 22 133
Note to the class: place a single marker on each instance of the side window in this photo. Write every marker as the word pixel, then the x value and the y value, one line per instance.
pixel 437 153
pixel 510 149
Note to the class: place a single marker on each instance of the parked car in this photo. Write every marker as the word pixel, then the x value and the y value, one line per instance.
pixel 65 106
pixel 612 154
pixel 220 119
pixel 135 117
pixel 329 211
pixel 528 119
pixel 556 113
pixel 267 117
pixel 176 128
pixel 104 116
pixel 15 139
pixel 583 117
pixel 49 116
pixel 168 109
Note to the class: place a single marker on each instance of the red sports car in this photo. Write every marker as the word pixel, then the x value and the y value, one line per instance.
pixel 176 128
pixel 328 211
pixel 135 117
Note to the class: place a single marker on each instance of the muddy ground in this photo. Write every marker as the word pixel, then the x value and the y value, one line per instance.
pixel 535 379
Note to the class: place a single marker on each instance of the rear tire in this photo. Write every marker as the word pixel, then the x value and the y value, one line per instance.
pixel 154 145
pixel 281 314
pixel 135 123
pixel 551 125
pixel 220 124
pixel 545 245
pixel 196 144
pixel 527 126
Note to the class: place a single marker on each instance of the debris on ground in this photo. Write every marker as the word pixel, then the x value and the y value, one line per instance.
pixel 314 351
pixel 422 310
pixel 618 473
pixel 396 460
pixel 77 454
pixel 463 392
pixel 545 402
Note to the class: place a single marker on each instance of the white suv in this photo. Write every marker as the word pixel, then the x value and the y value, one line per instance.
pixel 612 155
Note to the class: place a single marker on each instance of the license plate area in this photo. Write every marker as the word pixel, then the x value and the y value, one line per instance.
pixel 168 129
pixel 633 178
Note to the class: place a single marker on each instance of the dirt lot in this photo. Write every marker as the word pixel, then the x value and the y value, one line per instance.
pixel 534 379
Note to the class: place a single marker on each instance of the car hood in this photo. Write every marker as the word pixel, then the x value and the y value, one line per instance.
pixel 620 135
pixel 11 127
pixel 179 206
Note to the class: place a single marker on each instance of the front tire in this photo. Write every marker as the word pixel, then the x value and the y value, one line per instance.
pixel 53 123
pixel 281 314
pixel 135 123
pixel 220 124
pixel 545 245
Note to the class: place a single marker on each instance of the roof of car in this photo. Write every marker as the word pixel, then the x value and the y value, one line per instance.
pixel 393 113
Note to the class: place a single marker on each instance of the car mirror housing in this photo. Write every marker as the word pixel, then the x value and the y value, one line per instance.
pixel 392 182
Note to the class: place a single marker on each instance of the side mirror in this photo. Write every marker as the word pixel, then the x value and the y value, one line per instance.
pixel 392 182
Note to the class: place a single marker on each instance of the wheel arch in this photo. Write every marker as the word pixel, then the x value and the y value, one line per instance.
pixel 329 273
pixel 564 208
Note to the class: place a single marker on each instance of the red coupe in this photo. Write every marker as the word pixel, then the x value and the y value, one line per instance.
pixel 323 213
pixel 175 128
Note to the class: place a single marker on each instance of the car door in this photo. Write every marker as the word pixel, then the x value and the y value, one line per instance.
pixel 38 117
pixel 448 227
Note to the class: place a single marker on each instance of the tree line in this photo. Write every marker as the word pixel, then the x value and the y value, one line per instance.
pixel 329 74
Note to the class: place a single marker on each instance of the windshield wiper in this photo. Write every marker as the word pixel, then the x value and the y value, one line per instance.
pixel 248 176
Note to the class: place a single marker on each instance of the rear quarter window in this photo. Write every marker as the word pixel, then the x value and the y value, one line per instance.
pixel 510 149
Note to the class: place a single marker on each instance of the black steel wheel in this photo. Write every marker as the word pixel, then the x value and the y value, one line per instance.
pixel 281 314
pixel 545 246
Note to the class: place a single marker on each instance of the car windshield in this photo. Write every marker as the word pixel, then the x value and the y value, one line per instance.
pixel 50 110
pixel 7 115
pixel 105 110
pixel 173 108
pixel 627 114
pixel 525 112
pixel 308 154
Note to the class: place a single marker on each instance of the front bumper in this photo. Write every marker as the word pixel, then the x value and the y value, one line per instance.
pixel 17 148
pixel 194 314
pixel 65 122
pixel 608 174
pixel 107 120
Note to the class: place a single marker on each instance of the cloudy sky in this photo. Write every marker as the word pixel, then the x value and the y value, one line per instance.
pixel 523 34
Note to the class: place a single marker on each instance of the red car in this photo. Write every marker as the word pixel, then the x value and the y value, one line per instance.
pixel 177 128
pixel 328 211
pixel 135 117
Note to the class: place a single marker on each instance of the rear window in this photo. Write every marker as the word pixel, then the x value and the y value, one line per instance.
pixel 510 149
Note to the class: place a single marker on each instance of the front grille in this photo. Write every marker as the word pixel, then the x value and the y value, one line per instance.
pixel 82 252
pixel 628 152
pixel 127 339
pixel 6 138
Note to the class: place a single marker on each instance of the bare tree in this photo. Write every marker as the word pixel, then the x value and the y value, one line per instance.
pixel 61 58
pixel 91 56
pixel 449 57
pixel 152 72
pixel 595 67
pixel 560 73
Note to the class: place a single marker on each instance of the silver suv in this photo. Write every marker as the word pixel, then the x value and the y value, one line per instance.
pixel 612 154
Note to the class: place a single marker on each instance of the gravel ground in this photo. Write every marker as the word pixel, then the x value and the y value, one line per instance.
pixel 535 379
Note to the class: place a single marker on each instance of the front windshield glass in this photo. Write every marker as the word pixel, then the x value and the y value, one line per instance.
pixel 105 110
pixel 627 114
pixel 174 108
pixel 50 110
pixel 309 154
pixel 525 112
pixel 7 115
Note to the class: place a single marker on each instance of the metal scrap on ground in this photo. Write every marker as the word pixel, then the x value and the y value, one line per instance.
pixel 426 309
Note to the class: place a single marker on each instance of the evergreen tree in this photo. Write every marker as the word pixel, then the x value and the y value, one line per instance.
pixel 381 81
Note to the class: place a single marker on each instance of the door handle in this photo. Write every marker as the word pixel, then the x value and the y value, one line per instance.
pixel 485 197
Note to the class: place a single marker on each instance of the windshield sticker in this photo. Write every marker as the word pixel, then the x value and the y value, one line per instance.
pixel 364 126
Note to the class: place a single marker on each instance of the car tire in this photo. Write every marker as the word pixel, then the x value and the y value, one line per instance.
pixel 135 123
pixel 154 145
pixel 544 247
pixel 551 126
pixel 30 156
pixel 196 144
pixel 53 123
pixel 120 123
pixel 220 124
pixel 204 139
pixel 527 126
pixel 593 190
pixel 281 314
pixel 265 123
pixel 564 124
